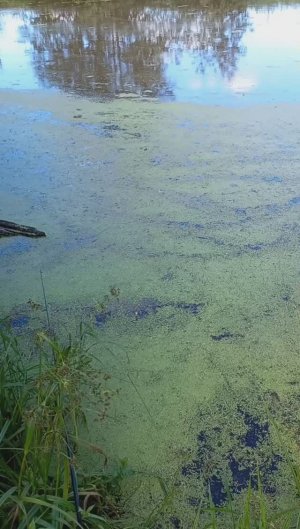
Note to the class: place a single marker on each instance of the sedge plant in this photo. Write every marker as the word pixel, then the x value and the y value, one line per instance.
pixel 42 396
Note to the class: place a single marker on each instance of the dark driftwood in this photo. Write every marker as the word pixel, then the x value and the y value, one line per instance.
pixel 8 229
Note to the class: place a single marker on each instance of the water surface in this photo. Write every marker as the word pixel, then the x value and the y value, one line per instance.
pixel 221 53
pixel 190 209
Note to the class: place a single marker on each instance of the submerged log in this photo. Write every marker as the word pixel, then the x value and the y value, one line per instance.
pixel 9 229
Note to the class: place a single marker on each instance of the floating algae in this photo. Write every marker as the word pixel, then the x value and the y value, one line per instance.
pixel 207 268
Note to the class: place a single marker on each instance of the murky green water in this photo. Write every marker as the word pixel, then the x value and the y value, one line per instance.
pixel 192 211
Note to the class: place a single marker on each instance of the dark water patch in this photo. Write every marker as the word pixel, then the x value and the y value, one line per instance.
pixel 272 179
pixel 147 307
pixel 255 247
pixel 294 201
pixel 286 297
pixel 261 246
pixel 274 463
pixel 192 308
pixel 185 225
pixel 113 310
pixel 113 127
pixel 10 271
pixel 217 491
pixel 246 178
pixel 214 240
pixel 13 153
pixel 241 212
pixel 168 276
pixel 16 246
pixel 176 523
pixel 193 502
pixel 202 439
pixel 196 467
pixel 157 160
pixel 273 399
pixel 198 202
pixel 76 243
pixel 226 335
pixel 20 321
pixel 241 475
pixel 173 254
pixel 251 213
pixel 254 459
pixel 98 130
pixel 144 308
pixel 192 469
pixel 198 226
pixel 102 318
pixel 257 431
pixel 247 472
pixel 273 209
pixel 41 116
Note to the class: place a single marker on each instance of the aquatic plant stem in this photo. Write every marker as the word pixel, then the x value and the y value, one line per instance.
pixel 70 454
pixel 73 480
pixel 45 301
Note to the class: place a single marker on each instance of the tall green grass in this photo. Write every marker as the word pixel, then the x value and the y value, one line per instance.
pixel 43 395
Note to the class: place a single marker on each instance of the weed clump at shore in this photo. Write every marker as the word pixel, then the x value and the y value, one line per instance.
pixel 43 396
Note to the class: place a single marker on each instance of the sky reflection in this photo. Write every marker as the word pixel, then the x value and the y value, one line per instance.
pixel 209 55
pixel 16 55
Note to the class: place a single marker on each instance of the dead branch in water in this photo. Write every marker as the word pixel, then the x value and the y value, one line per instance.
pixel 9 229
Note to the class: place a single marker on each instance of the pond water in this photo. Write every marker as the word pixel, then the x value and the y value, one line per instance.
pixel 157 145
pixel 222 53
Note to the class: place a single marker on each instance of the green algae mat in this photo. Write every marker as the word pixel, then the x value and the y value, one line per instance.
pixel 187 217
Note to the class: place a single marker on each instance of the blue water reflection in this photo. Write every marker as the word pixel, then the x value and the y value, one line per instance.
pixel 268 69
pixel 16 54
pixel 210 54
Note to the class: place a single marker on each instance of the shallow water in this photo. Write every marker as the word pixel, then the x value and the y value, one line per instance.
pixel 192 211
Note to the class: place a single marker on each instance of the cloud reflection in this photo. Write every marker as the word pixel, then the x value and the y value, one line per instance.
pixel 199 52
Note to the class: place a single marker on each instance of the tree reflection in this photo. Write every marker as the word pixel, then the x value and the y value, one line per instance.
pixel 111 47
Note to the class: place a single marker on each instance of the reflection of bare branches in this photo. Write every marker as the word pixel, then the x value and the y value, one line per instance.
pixel 115 46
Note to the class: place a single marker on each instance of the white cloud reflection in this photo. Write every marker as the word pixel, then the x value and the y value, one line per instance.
pixel 15 55
pixel 242 84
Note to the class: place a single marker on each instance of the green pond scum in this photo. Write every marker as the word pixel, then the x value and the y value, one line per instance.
pixel 173 233
pixel 189 215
